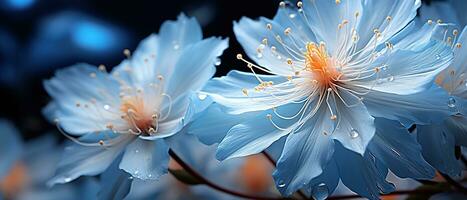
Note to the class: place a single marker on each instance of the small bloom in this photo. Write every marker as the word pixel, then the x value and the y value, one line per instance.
pixel 130 110
pixel 336 66
pixel 440 140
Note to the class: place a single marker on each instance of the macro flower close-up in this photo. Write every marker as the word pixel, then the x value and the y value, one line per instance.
pixel 204 99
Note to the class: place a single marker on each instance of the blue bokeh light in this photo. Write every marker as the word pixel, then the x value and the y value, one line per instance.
pixel 19 4
pixel 92 36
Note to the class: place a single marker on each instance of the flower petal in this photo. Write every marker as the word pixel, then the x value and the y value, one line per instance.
pixel 158 54
pixel 362 174
pixel 80 94
pixel 212 126
pixel 256 134
pixel 438 148
pixel 146 159
pixel 355 125
pixel 80 160
pixel 195 66
pixel 399 151
pixel 305 154
pixel 115 183
pixel 229 91
pixel 430 106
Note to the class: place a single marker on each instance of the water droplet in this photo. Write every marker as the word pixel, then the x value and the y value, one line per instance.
pixel 300 10
pixel 106 107
pixel 281 184
pixel 202 96
pixel 136 172
pixel 320 191
pixel 259 55
pixel 292 15
pixel 438 57
pixel 384 67
pixel 391 78
pixel 131 177
pixel 279 57
pixel 67 179
pixel 451 102
pixel 149 175
pixel 176 46
pixel 354 133
pixel 218 62
pixel 136 151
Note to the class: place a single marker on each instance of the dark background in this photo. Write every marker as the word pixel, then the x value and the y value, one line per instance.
pixel 37 37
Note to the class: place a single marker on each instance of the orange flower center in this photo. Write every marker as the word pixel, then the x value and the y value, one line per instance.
pixel 136 114
pixel 16 179
pixel 318 61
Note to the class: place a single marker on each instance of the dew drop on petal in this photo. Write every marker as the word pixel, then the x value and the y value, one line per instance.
pixel 136 172
pixel 218 62
pixel 438 57
pixel 354 133
pixel 106 107
pixel 149 175
pixel 136 151
pixel 259 55
pixel 202 96
pixel 176 46
pixel 131 177
pixel 451 102
pixel 67 179
pixel 281 184
pixel 292 15
pixel 320 191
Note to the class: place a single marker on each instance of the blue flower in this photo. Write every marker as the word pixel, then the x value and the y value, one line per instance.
pixel 133 109
pixel 440 140
pixel 336 66
pixel 447 11
pixel 31 165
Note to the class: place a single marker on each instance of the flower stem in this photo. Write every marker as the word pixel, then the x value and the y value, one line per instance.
pixel 207 182
pixel 273 162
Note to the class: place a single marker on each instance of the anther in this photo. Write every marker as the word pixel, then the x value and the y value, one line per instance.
pixel 388 18
pixel 102 68
pixel 455 32
pixel 265 41
pixel 101 142
pixel 282 4
pixel 239 56
pixel 287 31
pixel 289 61
pixel 357 14
pixel 329 90
pixel 245 91
pixel 299 4
pixel 338 1
pixel 458 45
pixel 127 52
pixel 429 22
pixel 333 117
pixel 269 26
pixel 439 21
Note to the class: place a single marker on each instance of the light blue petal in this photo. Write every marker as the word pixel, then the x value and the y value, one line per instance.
pixel 401 67
pixel 73 89
pixel 158 54
pixel 256 134
pixel 430 106
pixel 250 34
pixel 146 159
pixel 78 160
pixel 10 146
pixel 213 124
pixel 453 79
pixel 228 91
pixel 324 17
pixel 399 151
pixel 195 66
pixel 325 184
pixel 355 125
pixel 402 12
pixel 438 148
pixel 362 174
pixel 305 154
pixel 114 183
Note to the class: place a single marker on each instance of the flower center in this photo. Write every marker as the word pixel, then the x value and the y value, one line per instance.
pixel 14 181
pixel 136 115
pixel 318 61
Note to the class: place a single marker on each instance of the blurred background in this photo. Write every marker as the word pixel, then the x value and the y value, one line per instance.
pixel 39 36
